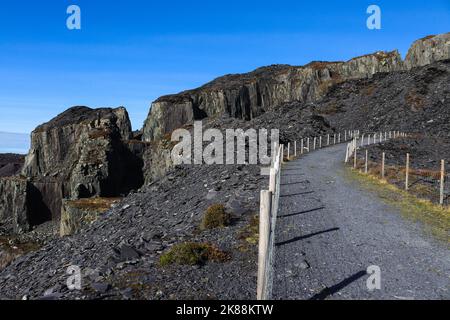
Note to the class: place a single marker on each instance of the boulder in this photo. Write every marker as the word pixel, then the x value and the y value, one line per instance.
pixel 76 213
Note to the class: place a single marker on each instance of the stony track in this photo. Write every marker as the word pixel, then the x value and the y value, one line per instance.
pixel 330 230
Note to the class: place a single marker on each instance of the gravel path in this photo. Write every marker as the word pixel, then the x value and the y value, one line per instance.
pixel 330 230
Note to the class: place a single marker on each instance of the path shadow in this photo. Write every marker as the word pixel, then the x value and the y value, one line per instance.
pixel 337 287
pixel 294 183
pixel 301 212
pixel 296 194
pixel 305 237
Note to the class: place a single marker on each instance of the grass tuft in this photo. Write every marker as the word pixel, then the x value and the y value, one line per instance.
pixel 249 234
pixel 191 253
pixel 215 216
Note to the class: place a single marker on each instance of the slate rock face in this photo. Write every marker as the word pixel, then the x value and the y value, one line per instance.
pixel 55 145
pixel 14 193
pixel 428 50
pixel 81 153
pixel 246 96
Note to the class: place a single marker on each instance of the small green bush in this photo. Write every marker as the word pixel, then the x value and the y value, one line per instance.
pixel 191 253
pixel 215 216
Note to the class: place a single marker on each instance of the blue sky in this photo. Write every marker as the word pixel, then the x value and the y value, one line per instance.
pixel 131 52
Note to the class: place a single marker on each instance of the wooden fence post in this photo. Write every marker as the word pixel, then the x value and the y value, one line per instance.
pixel 314 145
pixel 289 150
pixel 334 139
pixel 308 144
pixel 407 173
pixel 272 180
pixel 441 198
pixel 355 158
pixel 366 167
pixel 328 140
pixel 345 135
pixel 339 138
pixel 301 146
pixel 383 159
pixel 295 148
pixel 320 142
pixel 263 247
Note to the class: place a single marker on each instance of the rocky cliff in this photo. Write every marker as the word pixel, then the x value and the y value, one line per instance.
pixel 246 96
pixel 81 153
pixel 428 50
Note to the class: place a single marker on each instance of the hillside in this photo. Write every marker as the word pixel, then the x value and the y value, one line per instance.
pixel 125 206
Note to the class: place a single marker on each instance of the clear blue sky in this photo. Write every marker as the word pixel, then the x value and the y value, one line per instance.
pixel 130 52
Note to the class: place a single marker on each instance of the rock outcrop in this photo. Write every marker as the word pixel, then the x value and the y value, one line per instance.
pixel 428 50
pixel 246 96
pixel 76 213
pixel 81 153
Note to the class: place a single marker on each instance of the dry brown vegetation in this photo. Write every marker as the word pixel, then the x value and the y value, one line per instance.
pixel 215 216
pixel 11 249
pixel 249 235
pixel 415 100
pixel 93 204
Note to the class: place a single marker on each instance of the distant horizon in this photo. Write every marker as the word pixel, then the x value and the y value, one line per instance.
pixel 13 142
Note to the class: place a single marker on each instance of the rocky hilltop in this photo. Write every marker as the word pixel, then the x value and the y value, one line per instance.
pixel 246 96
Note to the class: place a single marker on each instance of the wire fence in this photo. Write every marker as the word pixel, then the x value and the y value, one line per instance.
pixel 429 183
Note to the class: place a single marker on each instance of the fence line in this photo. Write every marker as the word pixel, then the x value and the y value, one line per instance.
pixel 425 175
pixel 267 221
